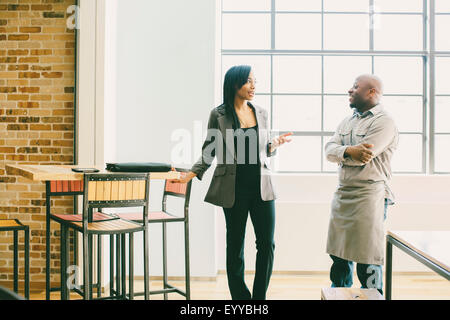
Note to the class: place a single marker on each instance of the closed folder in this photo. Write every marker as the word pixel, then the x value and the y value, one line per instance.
pixel 138 167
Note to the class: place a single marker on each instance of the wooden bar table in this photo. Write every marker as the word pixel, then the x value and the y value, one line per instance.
pixel 431 248
pixel 60 180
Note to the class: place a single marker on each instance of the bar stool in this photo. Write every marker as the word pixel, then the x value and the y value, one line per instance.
pixel 15 226
pixel 111 190
pixel 58 188
pixel 177 190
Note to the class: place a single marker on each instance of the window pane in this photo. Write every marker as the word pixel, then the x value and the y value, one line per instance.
pixel 442 6
pixel 442 153
pixel 442 38
pixel 335 109
pixel 442 75
pixel 398 32
pixel 346 5
pixel 398 6
pixel 442 116
pixel 298 31
pixel 290 155
pixel 297 113
pixel 400 74
pixel 299 74
pixel 346 32
pixel 408 156
pixel 236 27
pixel 298 5
pixel 340 72
pixel 247 5
pixel 260 66
pixel 406 111
pixel 263 101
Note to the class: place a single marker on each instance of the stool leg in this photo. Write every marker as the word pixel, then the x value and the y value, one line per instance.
pixel 146 268
pixel 67 261
pixel 187 260
pixel 16 269
pixel 164 249
pixel 123 265
pixel 131 272
pixel 27 263
pixel 111 265
pixel 91 267
pixel 99 265
pixel 75 233
pixel 47 241
pixel 75 247
pixel 63 267
pixel 118 265
pixel 86 262
pixel 65 250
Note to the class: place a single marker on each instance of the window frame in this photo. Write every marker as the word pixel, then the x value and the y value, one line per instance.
pixel 433 54
pixel 428 55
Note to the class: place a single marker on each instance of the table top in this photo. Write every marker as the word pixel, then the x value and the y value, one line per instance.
pixel 434 245
pixel 64 172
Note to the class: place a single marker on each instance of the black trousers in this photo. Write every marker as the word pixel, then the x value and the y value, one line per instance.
pixel 262 215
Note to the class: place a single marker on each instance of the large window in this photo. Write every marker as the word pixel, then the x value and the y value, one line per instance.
pixel 440 48
pixel 306 55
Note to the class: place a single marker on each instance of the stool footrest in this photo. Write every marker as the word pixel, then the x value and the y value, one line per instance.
pixel 167 290
pixel 55 289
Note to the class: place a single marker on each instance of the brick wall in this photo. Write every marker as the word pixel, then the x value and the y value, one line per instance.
pixel 37 79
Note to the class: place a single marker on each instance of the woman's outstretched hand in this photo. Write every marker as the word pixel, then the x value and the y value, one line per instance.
pixel 280 140
pixel 184 178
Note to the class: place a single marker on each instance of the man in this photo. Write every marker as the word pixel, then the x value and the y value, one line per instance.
pixel 363 146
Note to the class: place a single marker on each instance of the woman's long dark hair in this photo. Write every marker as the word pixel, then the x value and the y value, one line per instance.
pixel 235 78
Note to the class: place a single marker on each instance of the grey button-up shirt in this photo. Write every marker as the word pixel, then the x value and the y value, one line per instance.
pixel 376 127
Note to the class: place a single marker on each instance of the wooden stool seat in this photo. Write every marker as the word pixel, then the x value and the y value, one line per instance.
pixel 116 225
pixel 351 294
pixel 10 223
pixel 153 216
pixel 96 216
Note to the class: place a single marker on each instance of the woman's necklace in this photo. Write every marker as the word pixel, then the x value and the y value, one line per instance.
pixel 244 124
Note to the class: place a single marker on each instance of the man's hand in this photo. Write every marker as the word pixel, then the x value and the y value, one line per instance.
pixel 360 152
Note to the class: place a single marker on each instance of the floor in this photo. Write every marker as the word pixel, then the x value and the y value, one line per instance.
pixel 298 287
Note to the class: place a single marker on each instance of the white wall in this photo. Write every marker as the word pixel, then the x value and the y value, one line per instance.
pixel 165 82
pixel 88 139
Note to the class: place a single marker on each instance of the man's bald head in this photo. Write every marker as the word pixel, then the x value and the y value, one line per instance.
pixel 366 92
pixel 371 82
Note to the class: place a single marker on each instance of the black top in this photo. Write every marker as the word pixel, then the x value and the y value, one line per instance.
pixel 248 165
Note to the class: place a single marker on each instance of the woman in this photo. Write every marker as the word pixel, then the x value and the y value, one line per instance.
pixel 239 138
